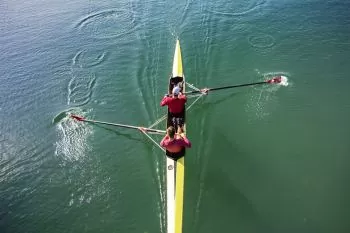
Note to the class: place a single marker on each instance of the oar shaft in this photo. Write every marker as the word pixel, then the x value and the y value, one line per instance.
pixel 233 86
pixel 125 126
pixel 227 87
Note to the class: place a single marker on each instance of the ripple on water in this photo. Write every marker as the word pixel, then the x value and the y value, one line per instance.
pixel 80 87
pixel 82 58
pixel 88 186
pixel 234 8
pixel 259 104
pixel 108 24
pixel 261 41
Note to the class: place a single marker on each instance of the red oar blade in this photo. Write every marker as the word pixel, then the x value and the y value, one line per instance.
pixel 275 80
pixel 78 118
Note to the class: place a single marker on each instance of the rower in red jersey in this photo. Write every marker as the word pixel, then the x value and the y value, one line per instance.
pixel 176 104
pixel 175 144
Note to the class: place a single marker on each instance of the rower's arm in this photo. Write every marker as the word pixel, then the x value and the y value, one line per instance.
pixel 162 144
pixel 184 97
pixel 164 101
pixel 185 141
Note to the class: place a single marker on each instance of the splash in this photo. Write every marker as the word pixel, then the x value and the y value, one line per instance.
pixel 72 143
pixel 82 172
pixel 264 99
pixel 284 81
pixel 270 75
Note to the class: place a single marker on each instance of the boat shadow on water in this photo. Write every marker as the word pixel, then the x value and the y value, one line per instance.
pixel 226 191
pixel 118 133
pixel 130 136
pixel 206 105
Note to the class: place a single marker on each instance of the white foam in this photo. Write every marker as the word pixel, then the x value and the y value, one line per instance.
pixel 284 81
pixel 72 142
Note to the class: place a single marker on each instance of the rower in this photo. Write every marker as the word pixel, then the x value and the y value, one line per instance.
pixel 175 144
pixel 176 106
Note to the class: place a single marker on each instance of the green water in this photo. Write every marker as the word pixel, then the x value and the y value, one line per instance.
pixel 264 159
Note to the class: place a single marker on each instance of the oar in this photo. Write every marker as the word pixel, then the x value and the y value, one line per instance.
pixel 79 118
pixel 270 81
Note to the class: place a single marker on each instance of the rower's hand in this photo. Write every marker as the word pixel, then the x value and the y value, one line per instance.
pixel 180 131
pixel 142 129
pixel 205 91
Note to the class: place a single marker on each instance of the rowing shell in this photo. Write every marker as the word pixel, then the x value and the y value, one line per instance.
pixel 175 169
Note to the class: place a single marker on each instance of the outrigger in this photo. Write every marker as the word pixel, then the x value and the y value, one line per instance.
pixel 176 168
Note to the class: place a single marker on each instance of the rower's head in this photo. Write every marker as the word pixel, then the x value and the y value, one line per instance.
pixel 176 91
pixel 171 131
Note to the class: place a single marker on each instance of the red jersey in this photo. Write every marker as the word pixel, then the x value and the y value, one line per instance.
pixel 175 105
pixel 176 144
